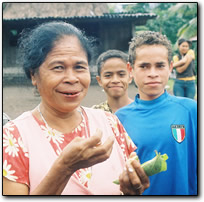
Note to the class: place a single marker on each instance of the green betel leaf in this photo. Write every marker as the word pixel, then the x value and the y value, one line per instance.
pixel 156 165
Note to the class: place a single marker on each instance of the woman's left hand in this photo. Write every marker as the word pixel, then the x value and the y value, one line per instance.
pixel 133 180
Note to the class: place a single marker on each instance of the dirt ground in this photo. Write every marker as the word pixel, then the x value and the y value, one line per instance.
pixel 18 98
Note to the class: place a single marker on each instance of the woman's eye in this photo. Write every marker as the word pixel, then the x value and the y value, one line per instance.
pixel 80 67
pixel 107 75
pixel 58 68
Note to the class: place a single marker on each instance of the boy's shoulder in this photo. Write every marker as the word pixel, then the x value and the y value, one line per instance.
pixel 182 99
pixel 187 103
pixel 104 106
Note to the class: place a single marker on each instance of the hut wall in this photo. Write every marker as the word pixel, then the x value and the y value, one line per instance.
pixel 9 49
pixel 115 35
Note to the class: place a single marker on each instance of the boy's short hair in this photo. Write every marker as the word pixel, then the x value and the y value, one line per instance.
pixel 110 54
pixel 148 38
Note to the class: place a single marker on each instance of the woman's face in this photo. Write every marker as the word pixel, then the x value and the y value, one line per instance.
pixel 63 78
pixel 183 48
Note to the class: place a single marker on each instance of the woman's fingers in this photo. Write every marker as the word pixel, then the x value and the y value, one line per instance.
pixel 102 152
pixel 81 153
pixel 141 174
pixel 132 155
pixel 94 140
pixel 94 147
pixel 133 180
pixel 125 185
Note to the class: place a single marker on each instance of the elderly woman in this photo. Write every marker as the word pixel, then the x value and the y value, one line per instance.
pixel 61 147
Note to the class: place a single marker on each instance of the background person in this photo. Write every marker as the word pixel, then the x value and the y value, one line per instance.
pixel 114 77
pixel 60 147
pixel 159 121
pixel 184 84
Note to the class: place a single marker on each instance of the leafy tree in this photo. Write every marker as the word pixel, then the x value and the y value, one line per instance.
pixel 188 12
pixel 137 7
pixel 175 20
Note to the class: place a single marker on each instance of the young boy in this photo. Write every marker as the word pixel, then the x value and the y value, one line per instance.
pixel 114 77
pixel 159 121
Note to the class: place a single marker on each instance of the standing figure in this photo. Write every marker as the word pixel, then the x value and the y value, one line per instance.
pixel 60 147
pixel 159 121
pixel 114 77
pixel 184 84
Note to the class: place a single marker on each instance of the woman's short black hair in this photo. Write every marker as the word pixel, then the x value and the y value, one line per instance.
pixel 180 41
pixel 34 45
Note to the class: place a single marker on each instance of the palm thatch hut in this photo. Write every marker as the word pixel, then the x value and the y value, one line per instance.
pixel 111 30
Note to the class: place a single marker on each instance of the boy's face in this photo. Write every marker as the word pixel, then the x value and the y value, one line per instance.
pixel 151 70
pixel 115 77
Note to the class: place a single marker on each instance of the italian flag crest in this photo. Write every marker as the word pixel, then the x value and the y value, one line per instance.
pixel 178 132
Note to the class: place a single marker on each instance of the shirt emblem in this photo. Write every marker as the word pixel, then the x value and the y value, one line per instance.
pixel 178 132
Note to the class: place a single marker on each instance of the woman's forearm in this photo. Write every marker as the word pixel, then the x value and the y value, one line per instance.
pixel 183 67
pixel 180 62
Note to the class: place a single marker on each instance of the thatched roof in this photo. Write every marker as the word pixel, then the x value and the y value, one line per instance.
pixel 45 10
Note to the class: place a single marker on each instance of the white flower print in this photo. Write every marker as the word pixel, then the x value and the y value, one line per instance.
pixel 85 176
pixel 10 126
pixel 21 144
pixel 51 134
pixel 129 141
pixel 114 125
pixel 10 143
pixel 122 139
pixel 8 173
pixel 79 127
pixel 58 151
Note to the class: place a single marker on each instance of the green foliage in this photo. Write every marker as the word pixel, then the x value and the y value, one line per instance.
pixel 189 29
pixel 175 20
pixel 137 7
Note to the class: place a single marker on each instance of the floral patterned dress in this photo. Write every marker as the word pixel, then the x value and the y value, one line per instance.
pixel 104 106
pixel 16 156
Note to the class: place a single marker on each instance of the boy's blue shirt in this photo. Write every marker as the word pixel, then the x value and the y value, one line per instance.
pixel 152 125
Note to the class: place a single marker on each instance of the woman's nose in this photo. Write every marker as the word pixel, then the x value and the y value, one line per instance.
pixel 70 76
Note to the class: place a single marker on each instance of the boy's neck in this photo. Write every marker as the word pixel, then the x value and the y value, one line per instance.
pixel 117 103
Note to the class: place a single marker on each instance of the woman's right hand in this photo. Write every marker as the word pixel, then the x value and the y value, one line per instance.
pixel 79 153
pixel 83 153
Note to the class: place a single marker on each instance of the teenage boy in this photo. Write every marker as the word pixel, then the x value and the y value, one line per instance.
pixel 159 121
pixel 114 77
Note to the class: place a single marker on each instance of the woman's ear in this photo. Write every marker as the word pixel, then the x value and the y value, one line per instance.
pixel 33 79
